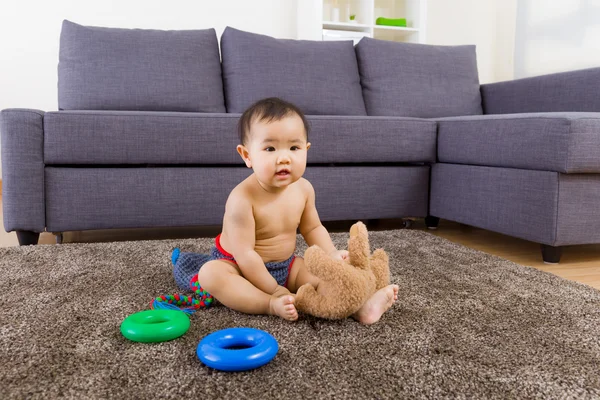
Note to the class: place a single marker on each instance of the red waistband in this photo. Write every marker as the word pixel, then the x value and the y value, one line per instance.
pixel 221 249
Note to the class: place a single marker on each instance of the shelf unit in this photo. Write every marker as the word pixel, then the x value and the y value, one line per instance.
pixel 318 18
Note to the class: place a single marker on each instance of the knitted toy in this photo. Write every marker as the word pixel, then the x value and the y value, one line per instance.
pixel 345 285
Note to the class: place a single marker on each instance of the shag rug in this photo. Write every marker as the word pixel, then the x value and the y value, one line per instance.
pixel 466 325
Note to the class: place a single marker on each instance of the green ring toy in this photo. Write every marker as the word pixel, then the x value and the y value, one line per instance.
pixel 152 326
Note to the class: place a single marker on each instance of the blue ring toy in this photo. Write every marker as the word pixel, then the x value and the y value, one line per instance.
pixel 258 348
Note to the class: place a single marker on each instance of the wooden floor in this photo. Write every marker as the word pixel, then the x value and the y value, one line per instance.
pixel 578 263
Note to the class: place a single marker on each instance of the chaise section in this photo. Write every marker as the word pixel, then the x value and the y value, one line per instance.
pixel 558 92
pixel 533 176
pixel 578 217
pixel 561 142
pixel 23 173
pixel 520 203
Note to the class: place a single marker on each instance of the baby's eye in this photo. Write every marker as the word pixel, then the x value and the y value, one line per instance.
pixel 271 148
pixel 293 148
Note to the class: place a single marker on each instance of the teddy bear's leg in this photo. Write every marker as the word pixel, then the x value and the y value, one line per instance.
pixel 334 305
pixel 380 266
pixel 309 301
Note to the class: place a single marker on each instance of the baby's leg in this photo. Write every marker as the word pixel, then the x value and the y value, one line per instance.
pixel 299 275
pixel 376 305
pixel 224 281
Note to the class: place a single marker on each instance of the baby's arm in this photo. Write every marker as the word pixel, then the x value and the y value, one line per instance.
pixel 313 230
pixel 238 222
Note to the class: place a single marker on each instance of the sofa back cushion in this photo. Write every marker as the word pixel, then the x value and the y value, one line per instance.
pixel 319 77
pixel 417 80
pixel 139 69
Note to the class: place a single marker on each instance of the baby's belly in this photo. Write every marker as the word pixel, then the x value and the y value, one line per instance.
pixel 277 248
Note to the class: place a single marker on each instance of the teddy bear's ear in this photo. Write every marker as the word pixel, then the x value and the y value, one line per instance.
pixel 358 246
pixel 358 229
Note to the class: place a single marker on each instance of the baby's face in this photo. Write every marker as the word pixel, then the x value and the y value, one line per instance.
pixel 277 151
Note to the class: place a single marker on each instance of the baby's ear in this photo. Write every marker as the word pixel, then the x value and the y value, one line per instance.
pixel 307 145
pixel 243 152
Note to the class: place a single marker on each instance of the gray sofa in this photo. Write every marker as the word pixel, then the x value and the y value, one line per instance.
pixel 145 135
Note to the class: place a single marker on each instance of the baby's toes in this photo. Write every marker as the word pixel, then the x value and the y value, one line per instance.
pixel 290 311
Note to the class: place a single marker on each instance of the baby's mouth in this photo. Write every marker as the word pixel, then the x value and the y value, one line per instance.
pixel 283 172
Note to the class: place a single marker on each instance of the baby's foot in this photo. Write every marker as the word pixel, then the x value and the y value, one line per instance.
pixel 376 305
pixel 283 306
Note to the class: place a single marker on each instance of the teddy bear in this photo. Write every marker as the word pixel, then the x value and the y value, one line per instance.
pixel 345 285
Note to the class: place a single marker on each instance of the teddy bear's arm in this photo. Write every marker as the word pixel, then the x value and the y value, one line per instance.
pixel 321 265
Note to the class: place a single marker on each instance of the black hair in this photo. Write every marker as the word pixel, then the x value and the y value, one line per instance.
pixel 269 109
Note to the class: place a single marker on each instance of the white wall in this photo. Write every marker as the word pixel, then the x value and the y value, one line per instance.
pixel 488 24
pixel 30 31
pixel 561 37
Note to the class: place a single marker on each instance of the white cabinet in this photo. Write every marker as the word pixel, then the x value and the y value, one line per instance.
pixel 351 19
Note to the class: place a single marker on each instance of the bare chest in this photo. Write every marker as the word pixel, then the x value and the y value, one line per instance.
pixel 279 215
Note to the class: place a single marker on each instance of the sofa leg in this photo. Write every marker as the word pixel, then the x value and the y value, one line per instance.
pixel 551 254
pixel 431 222
pixel 27 237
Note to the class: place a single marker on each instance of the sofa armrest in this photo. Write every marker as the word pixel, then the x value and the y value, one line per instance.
pixel 564 91
pixel 22 140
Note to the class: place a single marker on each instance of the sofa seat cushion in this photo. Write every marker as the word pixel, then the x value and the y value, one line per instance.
pixel 566 142
pixel 139 69
pixel 140 137
pixel 371 140
pixel 319 77
pixel 418 80
pixel 127 137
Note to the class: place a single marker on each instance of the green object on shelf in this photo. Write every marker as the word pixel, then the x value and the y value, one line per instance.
pixel 391 21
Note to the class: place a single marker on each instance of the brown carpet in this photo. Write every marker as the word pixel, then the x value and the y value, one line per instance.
pixel 467 325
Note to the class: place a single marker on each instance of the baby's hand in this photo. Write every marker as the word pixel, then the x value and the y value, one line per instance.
pixel 339 255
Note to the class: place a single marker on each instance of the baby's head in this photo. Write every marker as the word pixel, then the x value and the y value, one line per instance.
pixel 265 111
pixel 274 142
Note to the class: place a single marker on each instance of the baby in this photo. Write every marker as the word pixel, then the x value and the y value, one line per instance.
pixel 253 268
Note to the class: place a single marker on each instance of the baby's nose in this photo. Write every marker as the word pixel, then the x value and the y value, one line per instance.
pixel 284 159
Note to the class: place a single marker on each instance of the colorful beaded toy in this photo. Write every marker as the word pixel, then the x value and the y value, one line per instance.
pixel 187 304
pixel 206 299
